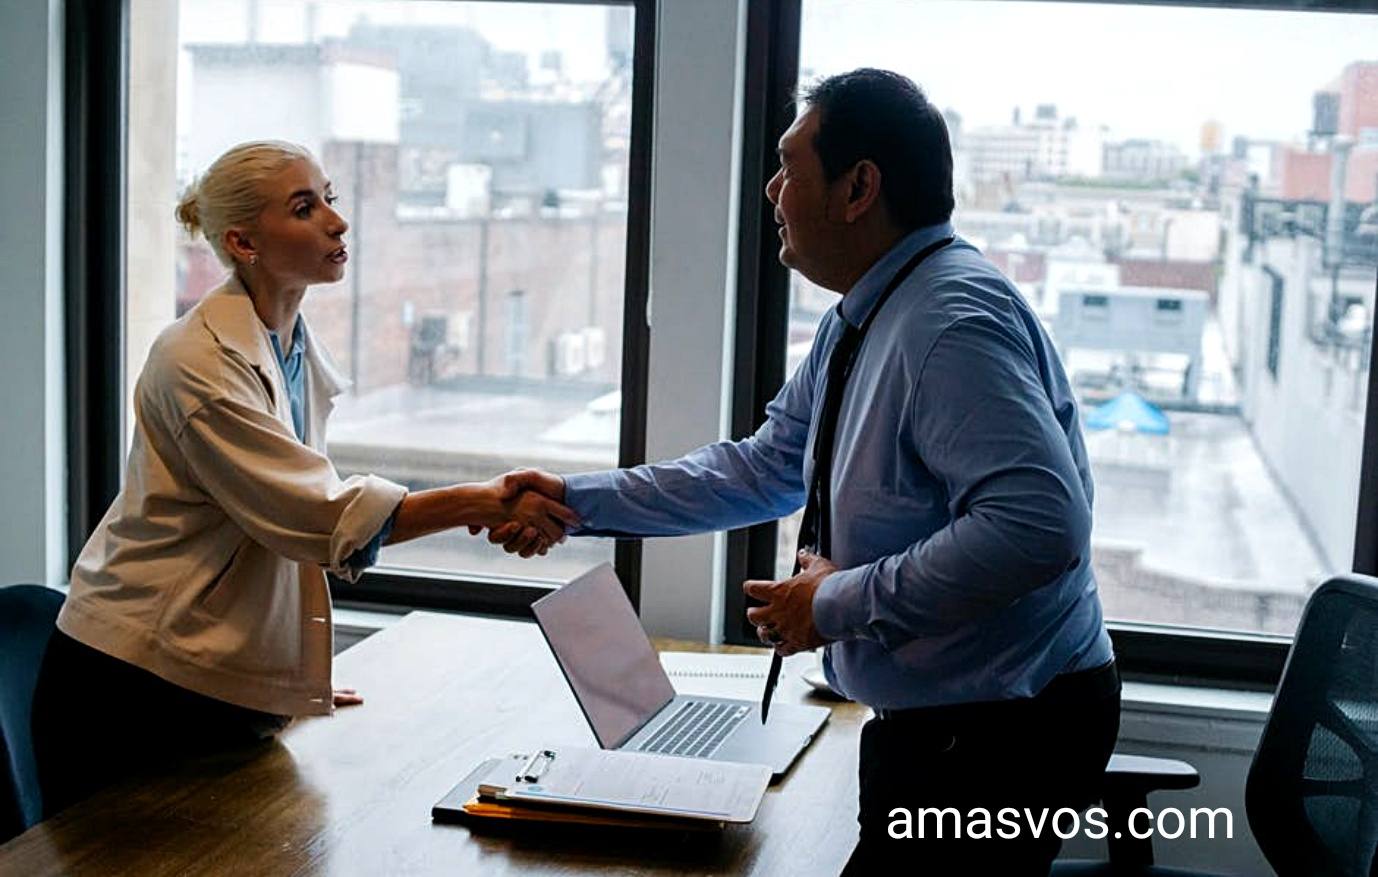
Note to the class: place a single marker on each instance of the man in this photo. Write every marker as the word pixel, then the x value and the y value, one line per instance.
pixel 956 598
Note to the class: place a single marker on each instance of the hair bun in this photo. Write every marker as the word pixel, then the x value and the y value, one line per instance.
pixel 188 211
pixel 229 193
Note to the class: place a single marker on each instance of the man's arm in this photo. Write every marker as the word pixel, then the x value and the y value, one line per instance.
pixel 1020 515
pixel 716 487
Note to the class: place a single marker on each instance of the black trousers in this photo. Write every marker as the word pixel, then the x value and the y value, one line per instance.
pixel 97 719
pixel 1041 754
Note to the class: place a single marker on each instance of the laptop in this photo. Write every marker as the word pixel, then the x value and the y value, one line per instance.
pixel 627 697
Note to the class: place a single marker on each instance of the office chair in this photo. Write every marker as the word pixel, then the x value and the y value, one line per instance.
pixel 28 616
pixel 1312 792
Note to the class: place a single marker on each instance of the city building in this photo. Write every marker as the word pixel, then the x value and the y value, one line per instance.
pixel 465 103
pixel 1344 130
pixel 1148 161
pixel 1047 147
pixel 1296 309
pixel 455 188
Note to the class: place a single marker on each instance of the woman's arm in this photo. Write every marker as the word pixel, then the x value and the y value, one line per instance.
pixel 488 504
pixel 289 498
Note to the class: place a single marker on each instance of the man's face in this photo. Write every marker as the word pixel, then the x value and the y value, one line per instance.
pixel 800 195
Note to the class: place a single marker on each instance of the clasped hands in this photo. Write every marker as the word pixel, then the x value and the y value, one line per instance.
pixel 531 516
pixel 533 501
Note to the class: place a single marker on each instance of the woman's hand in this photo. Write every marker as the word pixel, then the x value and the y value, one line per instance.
pixel 346 697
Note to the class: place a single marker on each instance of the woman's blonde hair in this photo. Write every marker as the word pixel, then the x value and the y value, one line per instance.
pixel 230 192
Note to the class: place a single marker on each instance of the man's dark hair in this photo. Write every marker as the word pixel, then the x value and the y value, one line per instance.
pixel 885 117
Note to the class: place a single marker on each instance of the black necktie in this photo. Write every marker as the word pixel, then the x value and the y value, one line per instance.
pixel 815 531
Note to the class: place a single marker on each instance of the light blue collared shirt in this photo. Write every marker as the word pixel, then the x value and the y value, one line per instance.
pixel 961 491
pixel 294 376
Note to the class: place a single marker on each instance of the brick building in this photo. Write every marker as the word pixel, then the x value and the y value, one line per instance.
pixel 535 297
pixel 1304 174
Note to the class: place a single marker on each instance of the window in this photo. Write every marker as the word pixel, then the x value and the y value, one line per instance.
pixel 485 155
pixel 1138 230
pixel 1275 287
pixel 516 333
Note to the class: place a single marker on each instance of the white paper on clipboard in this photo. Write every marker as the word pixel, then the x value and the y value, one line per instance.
pixel 635 782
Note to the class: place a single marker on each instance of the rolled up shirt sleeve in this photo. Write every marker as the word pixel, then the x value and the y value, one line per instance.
pixel 1020 515
pixel 367 555
pixel 281 493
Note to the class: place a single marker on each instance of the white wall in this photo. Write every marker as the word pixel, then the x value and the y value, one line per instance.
pixel 293 86
pixel 693 255
pixel 312 102
pixel 361 102
pixel 150 276
pixel 1309 421
pixel 32 529
pixel 1192 235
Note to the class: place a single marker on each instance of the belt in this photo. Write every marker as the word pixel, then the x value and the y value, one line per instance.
pixel 1094 684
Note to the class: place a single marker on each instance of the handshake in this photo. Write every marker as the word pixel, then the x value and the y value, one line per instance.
pixel 526 512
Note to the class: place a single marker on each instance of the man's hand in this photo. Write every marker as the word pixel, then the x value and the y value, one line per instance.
pixel 545 483
pixel 537 515
pixel 786 621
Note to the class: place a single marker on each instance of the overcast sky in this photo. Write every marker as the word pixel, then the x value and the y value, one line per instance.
pixel 1157 72
pixel 577 31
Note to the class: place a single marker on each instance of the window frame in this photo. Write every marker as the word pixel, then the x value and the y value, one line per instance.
pixel 770 78
pixel 1144 651
pixel 96 126
pixel 95 118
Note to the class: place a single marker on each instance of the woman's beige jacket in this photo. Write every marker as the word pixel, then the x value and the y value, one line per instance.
pixel 208 567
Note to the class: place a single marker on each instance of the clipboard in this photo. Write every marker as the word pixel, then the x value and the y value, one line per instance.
pixel 629 783
pixel 464 805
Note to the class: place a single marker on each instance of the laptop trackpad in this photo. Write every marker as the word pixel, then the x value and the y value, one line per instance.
pixel 777 743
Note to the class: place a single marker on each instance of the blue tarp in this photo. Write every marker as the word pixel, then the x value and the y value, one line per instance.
pixel 1130 412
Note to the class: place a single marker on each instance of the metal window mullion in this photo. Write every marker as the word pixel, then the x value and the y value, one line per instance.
pixel 762 318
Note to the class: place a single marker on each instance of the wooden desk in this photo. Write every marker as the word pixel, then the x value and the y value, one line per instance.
pixel 352 793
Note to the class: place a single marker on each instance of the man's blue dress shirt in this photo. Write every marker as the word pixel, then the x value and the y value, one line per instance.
pixel 961 491
pixel 294 376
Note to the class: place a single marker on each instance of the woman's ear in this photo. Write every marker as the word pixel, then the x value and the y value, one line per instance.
pixel 238 245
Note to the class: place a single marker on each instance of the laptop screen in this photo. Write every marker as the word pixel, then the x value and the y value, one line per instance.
pixel 603 650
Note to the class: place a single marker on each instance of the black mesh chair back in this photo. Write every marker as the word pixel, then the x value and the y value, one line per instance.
pixel 1312 793
pixel 28 615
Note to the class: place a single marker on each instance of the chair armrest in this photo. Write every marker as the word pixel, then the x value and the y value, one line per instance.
pixel 1128 780
pixel 1140 774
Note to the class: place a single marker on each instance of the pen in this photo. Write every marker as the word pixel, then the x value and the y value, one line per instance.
pixel 771 678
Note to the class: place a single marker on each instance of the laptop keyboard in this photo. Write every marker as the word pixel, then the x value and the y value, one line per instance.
pixel 696 730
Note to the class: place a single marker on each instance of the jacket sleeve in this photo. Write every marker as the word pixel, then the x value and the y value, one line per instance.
pixel 281 493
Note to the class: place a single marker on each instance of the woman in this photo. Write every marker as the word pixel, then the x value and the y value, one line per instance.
pixel 199 615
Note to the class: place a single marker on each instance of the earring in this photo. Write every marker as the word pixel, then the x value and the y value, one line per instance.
pixel 253 260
